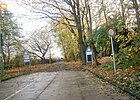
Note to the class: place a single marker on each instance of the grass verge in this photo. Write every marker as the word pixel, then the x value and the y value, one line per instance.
pixel 15 72
pixel 4 77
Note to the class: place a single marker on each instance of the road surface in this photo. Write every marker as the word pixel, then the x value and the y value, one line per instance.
pixel 59 85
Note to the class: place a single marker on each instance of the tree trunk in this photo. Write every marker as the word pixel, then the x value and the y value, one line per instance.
pixel 106 47
pixel 94 53
pixel 8 56
pixel 122 12
pixel 50 57
pixel 136 7
pixel 43 60
pixel 90 34
pixel 82 46
pixel 104 11
pixel 4 58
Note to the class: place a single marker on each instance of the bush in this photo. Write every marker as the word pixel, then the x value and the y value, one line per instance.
pixel 130 55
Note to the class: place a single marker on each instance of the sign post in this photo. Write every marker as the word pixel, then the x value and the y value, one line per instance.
pixel 89 53
pixel 111 33
pixel 26 58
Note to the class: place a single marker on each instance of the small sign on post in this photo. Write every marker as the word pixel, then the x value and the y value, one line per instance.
pixel 26 58
pixel 111 33
pixel 89 55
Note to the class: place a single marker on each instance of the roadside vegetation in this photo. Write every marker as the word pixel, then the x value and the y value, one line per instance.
pixel 75 25
pixel 15 72
pixel 7 76
pixel 126 79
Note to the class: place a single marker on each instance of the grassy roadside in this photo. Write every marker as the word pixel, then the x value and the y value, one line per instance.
pixel 15 72
pixel 7 76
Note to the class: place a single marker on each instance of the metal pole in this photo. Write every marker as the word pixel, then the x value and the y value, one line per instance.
pixel 86 59
pixel 113 54
pixel 1 55
pixel 1 52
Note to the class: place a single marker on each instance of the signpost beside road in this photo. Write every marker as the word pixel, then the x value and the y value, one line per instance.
pixel 111 33
pixel 89 55
pixel 26 58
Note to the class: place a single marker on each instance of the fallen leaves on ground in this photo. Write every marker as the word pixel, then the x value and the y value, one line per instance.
pixel 34 68
pixel 127 78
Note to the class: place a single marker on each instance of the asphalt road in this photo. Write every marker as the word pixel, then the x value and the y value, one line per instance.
pixel 60 85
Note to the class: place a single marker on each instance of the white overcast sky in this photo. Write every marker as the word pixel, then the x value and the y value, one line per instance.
pixel 22 15
pixel 28 25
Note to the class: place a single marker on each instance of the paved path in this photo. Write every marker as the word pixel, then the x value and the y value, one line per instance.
pixel 63 84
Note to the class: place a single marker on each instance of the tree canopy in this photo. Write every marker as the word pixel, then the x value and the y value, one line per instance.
pixel 11 34
pixel 89 20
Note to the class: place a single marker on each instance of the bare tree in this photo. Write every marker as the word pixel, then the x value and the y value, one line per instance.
pixel 76 15
pixel 11 34
pixel 40 43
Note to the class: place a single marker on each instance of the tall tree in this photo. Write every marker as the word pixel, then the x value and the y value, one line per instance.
pixel 11 33
pixel 67 41
pixel 78 14
pixel 74 12
pixel 39 43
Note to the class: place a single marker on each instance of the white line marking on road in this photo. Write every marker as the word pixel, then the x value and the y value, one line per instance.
pixel 17 92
